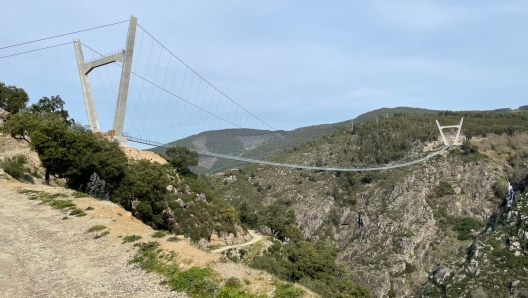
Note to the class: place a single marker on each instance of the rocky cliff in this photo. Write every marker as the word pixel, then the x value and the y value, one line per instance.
pixel 403 231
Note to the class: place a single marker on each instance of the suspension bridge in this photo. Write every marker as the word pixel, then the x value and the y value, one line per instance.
pixel 161 99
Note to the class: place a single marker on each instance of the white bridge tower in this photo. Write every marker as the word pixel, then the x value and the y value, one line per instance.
pixel 459 126
pixel 125 57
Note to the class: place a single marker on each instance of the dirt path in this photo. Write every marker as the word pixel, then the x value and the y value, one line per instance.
pixel 256 238
pixel 42 255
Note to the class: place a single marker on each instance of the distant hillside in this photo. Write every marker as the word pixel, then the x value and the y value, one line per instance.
pixel 250 143
pixel 264 144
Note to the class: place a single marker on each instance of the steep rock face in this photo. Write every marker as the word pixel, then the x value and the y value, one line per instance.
pixel 494 265
pixel 396 229
pixel 388 236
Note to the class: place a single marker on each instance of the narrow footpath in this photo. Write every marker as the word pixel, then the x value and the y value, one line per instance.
pixel 256 238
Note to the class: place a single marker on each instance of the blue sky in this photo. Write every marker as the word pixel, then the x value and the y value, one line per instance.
pixel 293 63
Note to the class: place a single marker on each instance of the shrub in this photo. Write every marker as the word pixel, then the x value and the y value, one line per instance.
pixel 62 204
pixel 80 194
pixel 102 234
pixel 77 212
pixel 147 246
pixel 190 280
pixel 464 226
pixel 15 166
pixel 444 189
pixel 97 187
pixel 159 234
pixel 287 290
pixel 233 282
pixel 96 228
pixel 131 238
pixel 500 188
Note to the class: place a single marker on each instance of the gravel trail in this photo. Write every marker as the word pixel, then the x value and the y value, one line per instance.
pixel 42 255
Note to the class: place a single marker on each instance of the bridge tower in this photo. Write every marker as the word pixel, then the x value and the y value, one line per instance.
pixel 125 57
pixel 459 126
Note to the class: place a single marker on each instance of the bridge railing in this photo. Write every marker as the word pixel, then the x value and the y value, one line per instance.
pixel 277 164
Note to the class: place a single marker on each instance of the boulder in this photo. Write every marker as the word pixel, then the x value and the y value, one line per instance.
pixel 442 275
pixel 181 202
pixel 201 197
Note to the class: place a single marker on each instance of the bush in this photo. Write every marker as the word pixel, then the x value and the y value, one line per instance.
pixel 464 226
pixel 97 236
pixel 15 166
pixel 96 228
pixel 190 280
pixel 287 290
pixel 444 189
pixel 500 188
pixel 159 234
pixel 97 187
pixel 131 238
pixel 233 282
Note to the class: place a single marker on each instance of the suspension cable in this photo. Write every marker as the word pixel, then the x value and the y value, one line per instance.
pixel 58 45
pixel 205 79
pixel 60 35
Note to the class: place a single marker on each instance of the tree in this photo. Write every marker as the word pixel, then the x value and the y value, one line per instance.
pixel 12 99
pixel 52 140
pixel 181 158
pixel 96 187
pixel 95 154
pixel 468 147
pixel 143 191
pixel 53 105
pixel 27 120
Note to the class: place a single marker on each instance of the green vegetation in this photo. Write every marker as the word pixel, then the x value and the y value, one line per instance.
pixel 97 236
pixel 51 199
pixel 97 187
pixel 131 238
pixel 95 165
pixel 193 281
pixel 65 148
pixel 181 158
pixel 77 212
pixel 444 189
pixel 287 290
pixel 15 166
pixel 96 228
pixel 12 99
pixel 80 194
pixel 312 265
pixel 159 234
pixel 62 204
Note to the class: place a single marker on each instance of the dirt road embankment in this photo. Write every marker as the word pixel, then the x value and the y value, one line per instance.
pixel 42 255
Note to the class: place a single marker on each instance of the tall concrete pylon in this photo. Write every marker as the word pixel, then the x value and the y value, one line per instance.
pixel 459 126
pixel 125 56
pixel 93 121
pixel 119 116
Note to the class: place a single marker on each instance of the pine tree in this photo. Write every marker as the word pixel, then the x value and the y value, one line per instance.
pixel 96 187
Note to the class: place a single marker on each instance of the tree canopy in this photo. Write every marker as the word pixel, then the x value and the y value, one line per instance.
pixel 181 158
pixel 12 99
pixel 65 148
